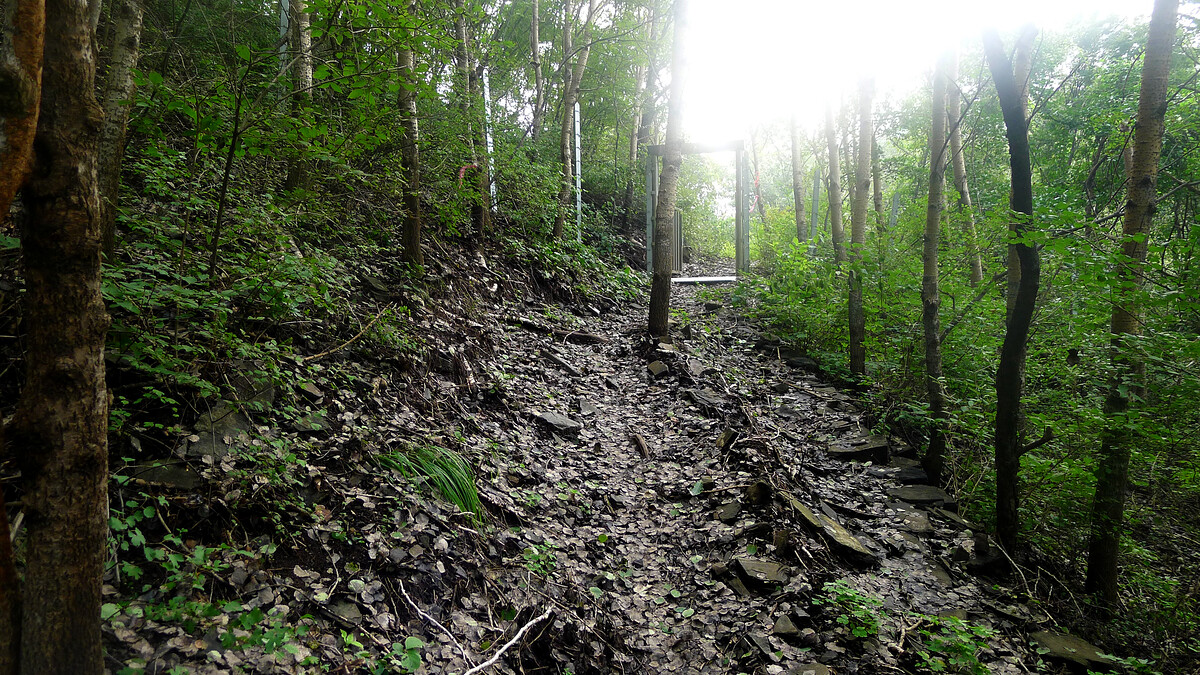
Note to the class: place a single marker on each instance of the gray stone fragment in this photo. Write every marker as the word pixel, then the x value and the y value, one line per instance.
pixel 1069 648
pixel 784 627
pixel 658 369
pixel 761 571
pixel 865 449
pixel 921 494
pixel 809 669
pixel 560 423
pixel 728 513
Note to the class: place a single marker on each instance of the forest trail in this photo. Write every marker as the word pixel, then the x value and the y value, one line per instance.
pixel 676 507
pixel 676 504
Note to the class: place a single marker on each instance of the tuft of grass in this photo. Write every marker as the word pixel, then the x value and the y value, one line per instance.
pixel 444 469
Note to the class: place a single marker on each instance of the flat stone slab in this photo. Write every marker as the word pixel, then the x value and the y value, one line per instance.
pixel 705 398
pixel 658 368
pixel 864 449
pixel 1072 649
pixel 921 494
pixel 843 539
pixel 762 571
pixel 560 423
pixel 705 281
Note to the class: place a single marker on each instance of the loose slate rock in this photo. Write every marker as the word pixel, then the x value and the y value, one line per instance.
pixel 809 669
pixel 704 398
pixel 865 449
pixel 921 494
pixel 727 513
pixel 658 369
pixel 761 571
pixel 1069 648
pixel 560 423
pixel 784 627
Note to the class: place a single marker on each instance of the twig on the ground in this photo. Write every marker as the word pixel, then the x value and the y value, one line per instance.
pixel 516 638
pixel 347 343
pixel 434 621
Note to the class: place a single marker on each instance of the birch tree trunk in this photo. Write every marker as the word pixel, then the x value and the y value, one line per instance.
pixel 644 76
pixel 1010 373
pixel 410 156
pixel 539 81
pixel 118 99
pixel 834 193
pixel 935 455
pixel 1127 386
pixel 59 432
pixel 858 230
pixel 798 183
pixel 965 209
pixel 572 77
pixel 302 83
pixel 664 216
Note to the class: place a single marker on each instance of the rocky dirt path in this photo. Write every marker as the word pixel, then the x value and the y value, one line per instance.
pixel 650 508
pixel 684 504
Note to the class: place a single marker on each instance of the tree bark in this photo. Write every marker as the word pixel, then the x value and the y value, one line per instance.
pixel 1022 66
pixel 539 81
pixel 59 432
pixel 302 82
pixel 572 77
pixel 758 198
pixel 22 31
pixel 965 209
pixel 798 183
pixel 834 193
pixel 1010 373
pixel 410 156
pixel 1127 386
pixel 644 76
pixel 118 100
pixel 934 460
pixel 664 216
pixel 858 230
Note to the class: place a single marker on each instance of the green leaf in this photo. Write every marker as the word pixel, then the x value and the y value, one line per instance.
pixel 596 592
pixel 413 643
pixel 243 52
pixel 108 610
pixel 697 488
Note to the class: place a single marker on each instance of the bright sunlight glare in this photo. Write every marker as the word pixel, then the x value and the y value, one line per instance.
pixel 753 62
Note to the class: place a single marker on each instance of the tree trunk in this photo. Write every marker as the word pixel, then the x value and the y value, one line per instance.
pixel 1112 472
pixel 410 156
pixel 539 81
pixel 798 183
pixel 935 455
pixel 664 215
pixel 302 82
pixel 118 99
pixel 572 77
pixel 1010 373
pixel 834 193
pixel 1022 66
pixel 965 209
pixel 59 432
pixel 644 77
pixel 22 29
pixel 758 199
pixel 858 230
